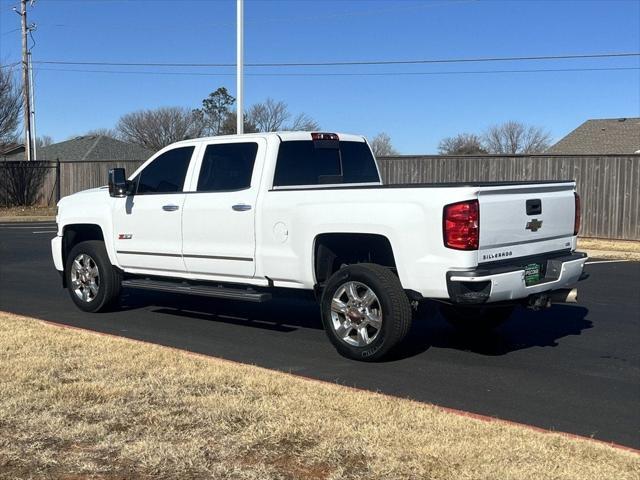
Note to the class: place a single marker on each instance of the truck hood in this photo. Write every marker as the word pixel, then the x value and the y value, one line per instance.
pixel 91 190
pixel 85 206
pixel 96 192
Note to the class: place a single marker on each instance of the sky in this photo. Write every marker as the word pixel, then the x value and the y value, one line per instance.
pixel 417 105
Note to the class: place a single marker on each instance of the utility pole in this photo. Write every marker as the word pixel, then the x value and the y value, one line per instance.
pixel 26 91
pixel 240 66
pixel 32 89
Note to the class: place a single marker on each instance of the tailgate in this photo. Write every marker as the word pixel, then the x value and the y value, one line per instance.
pixel 523 220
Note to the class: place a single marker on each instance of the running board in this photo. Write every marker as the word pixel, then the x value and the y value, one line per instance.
pixel 201 290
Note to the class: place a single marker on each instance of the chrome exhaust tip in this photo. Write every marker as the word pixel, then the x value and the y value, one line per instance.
pixel 566 295
pixel 545 300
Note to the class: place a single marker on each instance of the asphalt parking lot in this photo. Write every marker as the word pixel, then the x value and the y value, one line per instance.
pixel 569 368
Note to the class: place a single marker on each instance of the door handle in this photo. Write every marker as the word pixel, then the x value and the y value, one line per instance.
pixel 170 208
pixel 241 207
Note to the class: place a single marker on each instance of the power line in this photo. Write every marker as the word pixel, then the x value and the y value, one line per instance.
pixel 352 63
pixel 10 65
pixel 9 31
pixel 331 74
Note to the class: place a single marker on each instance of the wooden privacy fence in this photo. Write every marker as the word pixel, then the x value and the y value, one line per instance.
pixel 43 183
pixel 76 176
pixel 28 183
pixel 609 185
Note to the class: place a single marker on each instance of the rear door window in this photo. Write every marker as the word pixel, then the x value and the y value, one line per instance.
pixel 227 166
pixel 302 163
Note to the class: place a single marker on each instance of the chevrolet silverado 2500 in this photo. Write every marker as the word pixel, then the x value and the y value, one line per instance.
pixel 235 217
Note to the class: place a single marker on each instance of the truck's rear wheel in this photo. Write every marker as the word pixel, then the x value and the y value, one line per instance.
pixel 365 311
pixel 476 319
pixel 93 283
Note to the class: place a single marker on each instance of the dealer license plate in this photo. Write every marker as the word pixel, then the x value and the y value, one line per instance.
pixel 532 274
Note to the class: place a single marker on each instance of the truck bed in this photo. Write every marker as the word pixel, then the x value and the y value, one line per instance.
pixel 428 185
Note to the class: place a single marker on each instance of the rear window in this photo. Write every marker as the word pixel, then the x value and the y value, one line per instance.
pixel 301 163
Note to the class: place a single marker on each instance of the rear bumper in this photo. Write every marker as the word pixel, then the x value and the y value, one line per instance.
pixel 500 282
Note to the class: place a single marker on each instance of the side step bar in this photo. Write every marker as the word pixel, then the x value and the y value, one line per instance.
pixel 245 295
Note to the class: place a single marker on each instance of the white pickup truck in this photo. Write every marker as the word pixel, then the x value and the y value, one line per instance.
pixel 237 216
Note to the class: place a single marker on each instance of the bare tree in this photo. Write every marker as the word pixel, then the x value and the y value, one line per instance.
pixel 381 145
pixel 304 123
pixel 461 144
pixel 10 106
pixel 230 126
pixel 155 129
pixel 216 116
pixel 269 116
pixel 22 182
pixel 43 141
pixel 515 137
pixel 104 132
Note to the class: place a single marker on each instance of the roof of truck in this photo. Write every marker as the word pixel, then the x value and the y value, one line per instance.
pixel 284 136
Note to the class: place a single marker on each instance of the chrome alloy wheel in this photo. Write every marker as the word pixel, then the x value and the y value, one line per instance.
pixel 356 314
pixel 85 277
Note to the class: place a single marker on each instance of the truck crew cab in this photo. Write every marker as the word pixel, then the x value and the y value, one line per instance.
pixel 236 216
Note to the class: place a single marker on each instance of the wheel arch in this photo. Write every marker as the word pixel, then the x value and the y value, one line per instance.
pixel 73 234
pixel 333 249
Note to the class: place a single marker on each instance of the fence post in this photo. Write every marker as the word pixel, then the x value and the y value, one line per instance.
pixel 57 180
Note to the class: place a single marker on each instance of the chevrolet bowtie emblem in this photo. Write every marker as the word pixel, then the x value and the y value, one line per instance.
pixel 534 225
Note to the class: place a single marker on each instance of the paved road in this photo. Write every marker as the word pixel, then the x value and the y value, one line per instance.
pixel 570 368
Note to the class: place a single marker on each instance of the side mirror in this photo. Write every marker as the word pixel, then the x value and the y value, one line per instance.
pixel 118 184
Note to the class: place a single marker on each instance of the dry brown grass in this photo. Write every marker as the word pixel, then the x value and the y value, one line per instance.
pixel 27 211
pixel 79 405
pixel 610 249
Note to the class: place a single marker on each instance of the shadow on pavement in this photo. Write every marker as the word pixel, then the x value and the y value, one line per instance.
pixel 289 311
pixel 525 329
pixel 286 312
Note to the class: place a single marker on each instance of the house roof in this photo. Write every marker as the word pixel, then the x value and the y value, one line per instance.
pixel 87 148
pixel 601 136
pixel 10 148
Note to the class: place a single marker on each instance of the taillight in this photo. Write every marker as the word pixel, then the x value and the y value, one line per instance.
pixel 461 225
pixel 576 221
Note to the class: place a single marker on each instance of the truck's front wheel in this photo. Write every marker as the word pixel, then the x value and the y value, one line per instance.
pixel 93 283
pixel 365 311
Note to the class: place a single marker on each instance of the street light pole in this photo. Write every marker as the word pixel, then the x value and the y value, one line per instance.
pixel 240 66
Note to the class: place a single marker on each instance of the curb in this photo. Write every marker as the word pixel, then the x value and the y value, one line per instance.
pixel 454 411
pixel 25 219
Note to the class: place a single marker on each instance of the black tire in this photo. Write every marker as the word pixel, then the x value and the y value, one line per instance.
pixel 476 319
pixel 391 307
pixel 108 283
